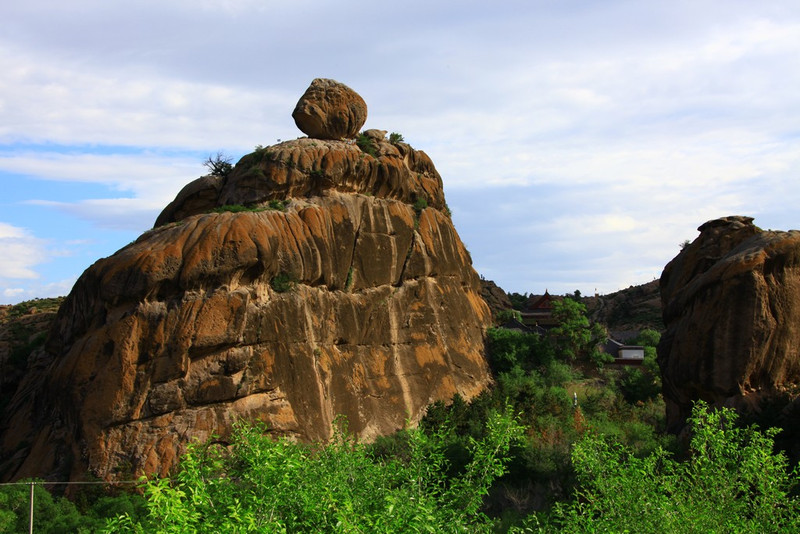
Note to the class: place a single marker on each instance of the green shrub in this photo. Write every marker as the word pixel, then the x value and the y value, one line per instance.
pixel 283 282
pixel 732 482
pixel 266 485
pixel 367 145
pixel 510 348
pixel 420 204
pixel 395 138
pixel 504 316
pixel 277 205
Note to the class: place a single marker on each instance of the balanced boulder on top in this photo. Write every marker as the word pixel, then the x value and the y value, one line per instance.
pixel 330 110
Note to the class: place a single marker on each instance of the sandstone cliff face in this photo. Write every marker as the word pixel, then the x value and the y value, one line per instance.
pixel 731 302
pixel 355 297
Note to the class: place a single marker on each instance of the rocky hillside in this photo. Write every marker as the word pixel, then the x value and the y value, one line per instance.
pixel 317 277
pixel 731 303
pixel 23 329
pixel 634 308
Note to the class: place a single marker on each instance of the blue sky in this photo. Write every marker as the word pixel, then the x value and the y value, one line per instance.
pixel 579 142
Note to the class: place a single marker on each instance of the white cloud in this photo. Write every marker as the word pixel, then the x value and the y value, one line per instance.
pixel 619 127
pixel 67 104
pixel 34 290
pixel 21 253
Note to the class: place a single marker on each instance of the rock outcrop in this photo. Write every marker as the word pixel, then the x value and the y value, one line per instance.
pixel 629 310
pixel 731 307
pixel 23 329
pixel 330 110
pixel 495 297
pixel 314 280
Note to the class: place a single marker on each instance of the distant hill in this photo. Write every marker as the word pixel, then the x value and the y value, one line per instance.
pixel 634 308
pixel 23 328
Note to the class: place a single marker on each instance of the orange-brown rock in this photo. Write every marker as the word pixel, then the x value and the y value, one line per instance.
pixel 330 110
pixel 352 297
pixel 731 307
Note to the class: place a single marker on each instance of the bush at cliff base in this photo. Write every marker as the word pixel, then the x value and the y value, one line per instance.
pixel 266 485
pixel 732 482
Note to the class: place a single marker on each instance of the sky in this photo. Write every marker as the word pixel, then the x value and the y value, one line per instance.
pixel 580 142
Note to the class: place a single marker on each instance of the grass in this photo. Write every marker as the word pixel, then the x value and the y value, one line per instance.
pixel 272 205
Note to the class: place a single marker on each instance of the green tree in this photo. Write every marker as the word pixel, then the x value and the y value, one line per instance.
pixel 51 515
pixel 518 301
pixel 575 337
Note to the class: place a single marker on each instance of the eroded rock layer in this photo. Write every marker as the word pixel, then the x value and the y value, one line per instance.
pixel 329 281
pixel 731 307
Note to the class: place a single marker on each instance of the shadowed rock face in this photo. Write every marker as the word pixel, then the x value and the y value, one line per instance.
pixel 731 302
pixel 353 300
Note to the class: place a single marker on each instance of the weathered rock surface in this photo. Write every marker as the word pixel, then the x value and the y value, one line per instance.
pixel 330 110
pixel 731 302
pixel 348 300
pixel 495 297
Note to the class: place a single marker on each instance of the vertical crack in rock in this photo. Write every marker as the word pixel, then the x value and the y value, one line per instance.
pixel 321 384
pixel 397 362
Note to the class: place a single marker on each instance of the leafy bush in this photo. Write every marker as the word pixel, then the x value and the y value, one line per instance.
pixel 732 482
pixel 367 145
pixel 277 205
pixel 265 485
pixel 504 316
pixel 395 138
pixel 511 348
pixel 420 204
pixel 282 282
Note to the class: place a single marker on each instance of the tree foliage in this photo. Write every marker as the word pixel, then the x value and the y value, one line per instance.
pixel 58 515
pixel 574 336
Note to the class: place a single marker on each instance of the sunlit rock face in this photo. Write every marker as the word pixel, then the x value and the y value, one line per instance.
pixel 731 302
pixel 341 289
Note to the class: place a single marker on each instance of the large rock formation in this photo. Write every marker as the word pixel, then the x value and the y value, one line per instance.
pixel 315 279
pixel 731 302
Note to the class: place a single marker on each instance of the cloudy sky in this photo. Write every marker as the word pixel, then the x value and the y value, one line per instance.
pixel 580 142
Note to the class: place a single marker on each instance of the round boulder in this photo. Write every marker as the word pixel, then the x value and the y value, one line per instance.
pixel 330 110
